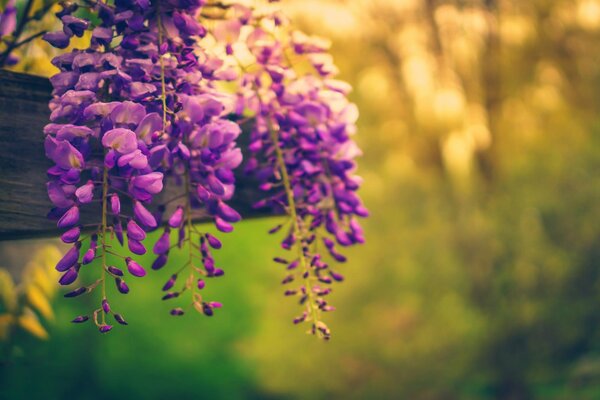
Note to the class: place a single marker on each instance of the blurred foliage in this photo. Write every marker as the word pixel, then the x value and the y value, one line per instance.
pixel 35 56
pixel 481 275
pixel 25 305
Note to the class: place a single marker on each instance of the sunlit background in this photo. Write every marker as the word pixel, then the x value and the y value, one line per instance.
pixel 480 278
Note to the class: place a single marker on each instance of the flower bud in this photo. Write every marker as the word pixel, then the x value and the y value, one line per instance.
pixel 163 243
pixel 134 231
pixel 69 259
pixel 114 270
pixel 177 311
pixel 71 236
pixel 160 261
pixel 119 318
pixel 68 277
pixel 80 319
pixel 115 204
pixel 177 218
pixel 105 306
pixel 169 284
pixel 213 241
pixel 121 286
pixel 76 292
pixel 70 218
pixel 134 268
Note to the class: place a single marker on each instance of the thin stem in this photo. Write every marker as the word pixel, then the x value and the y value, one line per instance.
pixel 103 238
pixel 190 226
pixel 163 95
pixel 295 220
pixel 173 199
pixel 114 254
pixel 183 267
pixel 29 39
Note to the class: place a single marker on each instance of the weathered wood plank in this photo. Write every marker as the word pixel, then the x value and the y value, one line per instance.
pixel 24 202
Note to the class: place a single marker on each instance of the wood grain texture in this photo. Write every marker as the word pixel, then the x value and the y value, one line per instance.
pixel 24 202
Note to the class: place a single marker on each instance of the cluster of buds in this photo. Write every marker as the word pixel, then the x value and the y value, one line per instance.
pixel 301 150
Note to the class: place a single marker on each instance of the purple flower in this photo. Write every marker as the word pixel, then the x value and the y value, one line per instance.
pixel 169 284
pixel 61 195
pixel 134 268
pixel 68 277
pixel 163 243
pixel 57 39
pixel 136 247
pixel 105 306
pixel 213 241
pixel 121 286
pixel 63 154
pixel 207 309
pixel 151 183
pixel 128 113
pixel 222 225
pixel 139 90
pixel 143 216
pixel 118 229
pixel 107 98
pixel 8 19
pixel 74 26
pixel 104 328
pixel 69 259
pixel 102 35
pixel 227 213
pixel 114 270
pixel 170 295
pixel 85 193
pixel 177 218
pixel 115 204
pixel 80 319
pixel 134 231
pixel 151 123
pixel 121 140
pixel 89 256
pixel 71 236
pixel 76 292
pixel 160 261
pixel 119 318
pixel 135 159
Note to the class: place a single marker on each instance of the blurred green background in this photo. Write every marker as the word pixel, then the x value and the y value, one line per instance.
pixel 480 278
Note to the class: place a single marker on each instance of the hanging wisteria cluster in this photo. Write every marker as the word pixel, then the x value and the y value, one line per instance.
pixel 149 105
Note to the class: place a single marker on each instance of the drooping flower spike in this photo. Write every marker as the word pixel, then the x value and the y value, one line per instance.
pixel 198 154
pixel 301 152
pixel 100 139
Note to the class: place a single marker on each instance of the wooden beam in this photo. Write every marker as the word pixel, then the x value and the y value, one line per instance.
pixel 24 201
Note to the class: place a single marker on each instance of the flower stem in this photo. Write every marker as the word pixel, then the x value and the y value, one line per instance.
pixel 104 229
pixel 161 61
pixel 297 229
pixel 188 215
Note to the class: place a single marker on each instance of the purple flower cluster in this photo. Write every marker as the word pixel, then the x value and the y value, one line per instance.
pixel 105 122
pixel 303 155
pixel 144 106
pixel 198 151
